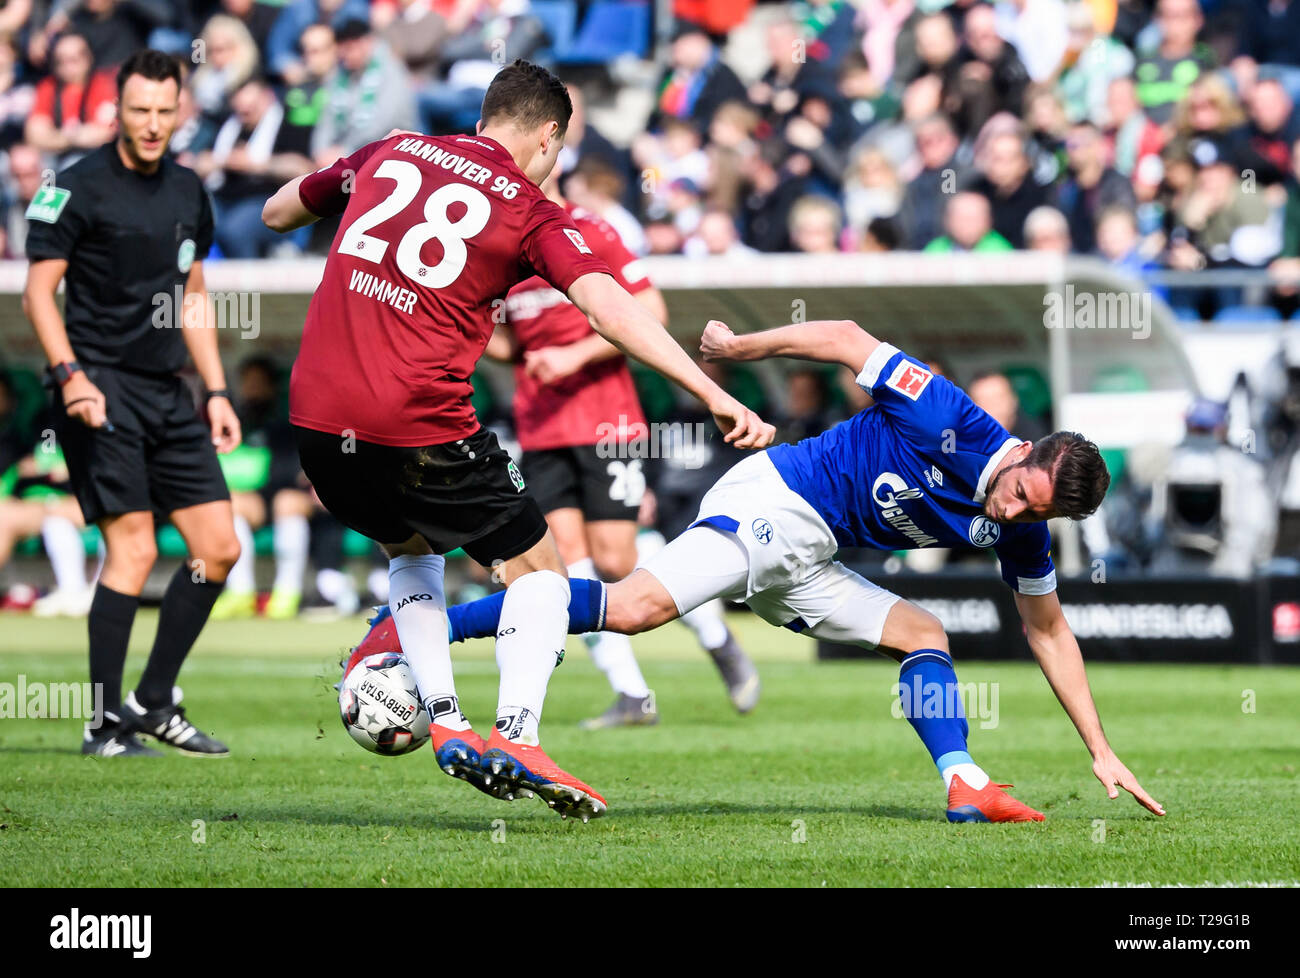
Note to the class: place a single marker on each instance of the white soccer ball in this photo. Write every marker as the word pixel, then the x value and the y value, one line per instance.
pixel 380 707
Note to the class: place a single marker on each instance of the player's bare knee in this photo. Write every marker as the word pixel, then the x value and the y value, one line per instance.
pixel 613 565
pixel 291 502
pixel 218 557
pixel 928 634
pixel 134 554
pixel 910 628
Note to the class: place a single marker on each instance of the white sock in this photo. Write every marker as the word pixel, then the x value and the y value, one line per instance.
pixel 530 643
pixel 240 579
pixel 420 614
pixel 707 624
pixel 611 652
pixel 292 538
pixel 336 587
pixel 972 774
pixel 101 554
pixel 377 584
pixel 67 553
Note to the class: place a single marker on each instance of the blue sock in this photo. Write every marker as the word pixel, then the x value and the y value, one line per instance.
pixel 479 619
pixel 931 701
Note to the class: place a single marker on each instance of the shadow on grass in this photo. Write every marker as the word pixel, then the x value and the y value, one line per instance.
pixel 40 750
pixel 782 809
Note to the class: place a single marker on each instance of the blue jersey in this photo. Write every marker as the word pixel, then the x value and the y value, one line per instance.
pixel 912 471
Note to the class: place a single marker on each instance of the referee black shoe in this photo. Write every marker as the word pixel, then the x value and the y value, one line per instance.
pixel 113 739
pixel 168 725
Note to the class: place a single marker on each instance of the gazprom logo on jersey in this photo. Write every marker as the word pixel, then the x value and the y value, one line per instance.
pixel 762 530
pixel 983 532
pixel 887 491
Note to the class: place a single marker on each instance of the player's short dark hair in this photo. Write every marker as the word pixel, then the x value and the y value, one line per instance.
pixel 527 95
pixel 1078 472
pixel 150 64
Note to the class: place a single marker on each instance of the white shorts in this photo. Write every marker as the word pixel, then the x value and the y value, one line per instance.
pixel 758 541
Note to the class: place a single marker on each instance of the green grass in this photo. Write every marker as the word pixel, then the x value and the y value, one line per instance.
pixel 705 798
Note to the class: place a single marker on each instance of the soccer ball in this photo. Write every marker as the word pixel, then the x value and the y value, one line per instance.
pixel 380 707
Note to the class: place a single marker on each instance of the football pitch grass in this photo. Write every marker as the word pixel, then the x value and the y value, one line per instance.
pixel 820 786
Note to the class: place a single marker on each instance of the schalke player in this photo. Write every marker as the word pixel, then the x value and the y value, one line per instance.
pixel 923 467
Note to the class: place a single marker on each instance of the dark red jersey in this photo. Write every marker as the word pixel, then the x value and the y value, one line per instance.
pixel 599 402
pixel 435 231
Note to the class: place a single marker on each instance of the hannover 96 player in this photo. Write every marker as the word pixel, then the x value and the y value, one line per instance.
pixel 923 467
pixel 576 410
pixel 435 231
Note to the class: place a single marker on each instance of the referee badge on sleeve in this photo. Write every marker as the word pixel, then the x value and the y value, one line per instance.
pixel 48 204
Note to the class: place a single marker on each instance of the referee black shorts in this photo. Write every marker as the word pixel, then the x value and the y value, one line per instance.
pixel 466 493
pixel 578 477
pixel 158 457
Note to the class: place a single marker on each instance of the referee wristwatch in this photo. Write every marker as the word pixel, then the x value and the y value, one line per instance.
pixel 61 373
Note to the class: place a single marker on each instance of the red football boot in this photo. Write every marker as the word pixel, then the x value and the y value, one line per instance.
pixel 516 768
pixel 989 804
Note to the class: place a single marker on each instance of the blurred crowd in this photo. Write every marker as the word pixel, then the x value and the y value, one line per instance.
pixel 1154 133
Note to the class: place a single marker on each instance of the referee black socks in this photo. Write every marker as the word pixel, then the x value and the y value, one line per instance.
pixel 185 610
pixel 110 619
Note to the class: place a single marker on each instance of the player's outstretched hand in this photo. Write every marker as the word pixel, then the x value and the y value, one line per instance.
pixel 84 401
pixel 739 425
pixel 716 340
pixel 1110 771
pixel 226 434
pixel 550 364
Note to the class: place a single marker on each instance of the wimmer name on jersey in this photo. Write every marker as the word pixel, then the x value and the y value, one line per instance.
pixel 912 472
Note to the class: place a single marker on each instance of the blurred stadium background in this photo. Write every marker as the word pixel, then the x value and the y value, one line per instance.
pixel 1086 213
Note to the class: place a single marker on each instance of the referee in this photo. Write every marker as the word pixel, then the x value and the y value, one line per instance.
pixel 128 229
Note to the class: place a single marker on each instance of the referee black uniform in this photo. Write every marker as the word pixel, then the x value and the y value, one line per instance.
pixel 123 228
pixel 130 239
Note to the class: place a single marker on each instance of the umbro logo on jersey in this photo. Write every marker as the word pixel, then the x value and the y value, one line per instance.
pixel 936 475
pixel 909 379
pixel 578 241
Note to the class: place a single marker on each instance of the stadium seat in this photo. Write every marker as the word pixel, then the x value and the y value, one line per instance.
pixel 1119 378
pixel 170 542
pixel 355 544
pixel 560 18
pixel 1116 460
pixel 658 400
pixel 29 393
pixel 1250 315
pixel 1031 389
pixel 610 30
